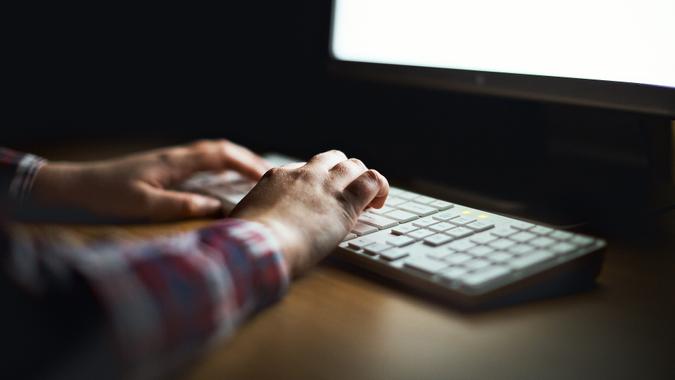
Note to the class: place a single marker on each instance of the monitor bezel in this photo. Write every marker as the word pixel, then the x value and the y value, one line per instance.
pixel 634 97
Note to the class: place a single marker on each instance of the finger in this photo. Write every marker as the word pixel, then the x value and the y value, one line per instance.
pixel 326 160
pixel 244 161
pixel 216 156
pixel 165 205
pixel 381 197
pixel 293 165
pixel 368 189
pixel 346 172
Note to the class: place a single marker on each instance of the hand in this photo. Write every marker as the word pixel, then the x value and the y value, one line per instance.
pixel 311 207
pixel 138 186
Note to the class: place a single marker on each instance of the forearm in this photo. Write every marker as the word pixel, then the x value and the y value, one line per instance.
pixel 168 297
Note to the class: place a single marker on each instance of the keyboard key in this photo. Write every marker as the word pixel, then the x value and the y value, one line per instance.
pixel 481 250
pixel 503 231
pixel 484 277
pixel 401 216
pixel 376 248
pixel 541 230
pixel 425 222
pixel 377 221
pixel 425 264
pixel 530 260
pixel 441 205
pixel 381 211
pixel 421 233
pixel 393 201
pixel 541 242
pixel 360 242
pixel 437 239
pixel 501 244
pixel 453 274
pixel 349 236
pixel 407 195
pixel 462 220
pixel 581 240
pixel 561 235
pixel 500 257
pixel 403 229
pixel 476 264
pixel 461 245
pixel 563 248
pixel 446 215
pixel 457 258
pixel 459 232
pixel 440 227
pixel 399 241
pixel 521 249
pixel 520 225
pixel 417 208
pixel 363 229
pixel 423 199
pixel 480 225
pixel 439 254
pixel 522 237
pixel 393 254
pixel 483 238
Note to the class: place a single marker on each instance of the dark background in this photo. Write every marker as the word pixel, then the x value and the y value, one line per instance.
pixel 257 73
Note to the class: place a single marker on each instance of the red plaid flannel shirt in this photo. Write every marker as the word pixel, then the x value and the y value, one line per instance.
pixel 163 299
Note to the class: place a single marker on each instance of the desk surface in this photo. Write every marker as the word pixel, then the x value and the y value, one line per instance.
pixel 339 322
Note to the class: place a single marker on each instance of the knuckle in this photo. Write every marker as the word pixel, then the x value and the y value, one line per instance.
pixel 273 172
pixel 357 162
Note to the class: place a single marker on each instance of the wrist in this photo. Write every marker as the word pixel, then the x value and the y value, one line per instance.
pixel 58 184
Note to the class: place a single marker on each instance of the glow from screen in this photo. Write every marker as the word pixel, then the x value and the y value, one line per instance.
pixel 614 40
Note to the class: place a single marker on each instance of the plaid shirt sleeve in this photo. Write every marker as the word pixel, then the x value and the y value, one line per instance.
pixel 165 299
pixel 17 173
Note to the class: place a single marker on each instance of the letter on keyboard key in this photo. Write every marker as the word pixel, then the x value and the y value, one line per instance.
pixel 485 276
pixel 417 208
pixel 363 229
pixel 401 216
pixel 425 264
pixel 377 221
pixel 531 259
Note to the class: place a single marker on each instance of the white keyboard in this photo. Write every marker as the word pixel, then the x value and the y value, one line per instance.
pixel 463 254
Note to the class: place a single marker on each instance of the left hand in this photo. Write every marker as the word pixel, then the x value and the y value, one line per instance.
pixel 138 186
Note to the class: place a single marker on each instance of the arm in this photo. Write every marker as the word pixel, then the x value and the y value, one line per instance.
pixel 165 299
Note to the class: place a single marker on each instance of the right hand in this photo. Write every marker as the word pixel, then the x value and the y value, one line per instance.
pixel 310 207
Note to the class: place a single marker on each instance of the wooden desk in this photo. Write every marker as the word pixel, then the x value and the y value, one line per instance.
pixel 339 323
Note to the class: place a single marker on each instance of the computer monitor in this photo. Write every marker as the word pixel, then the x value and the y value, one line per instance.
pixel 603 71
pixel 617 54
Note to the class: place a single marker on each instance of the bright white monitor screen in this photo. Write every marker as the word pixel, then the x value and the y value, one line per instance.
pixel 614 40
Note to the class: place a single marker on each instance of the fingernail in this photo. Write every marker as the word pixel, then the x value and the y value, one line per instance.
pixel 206 203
